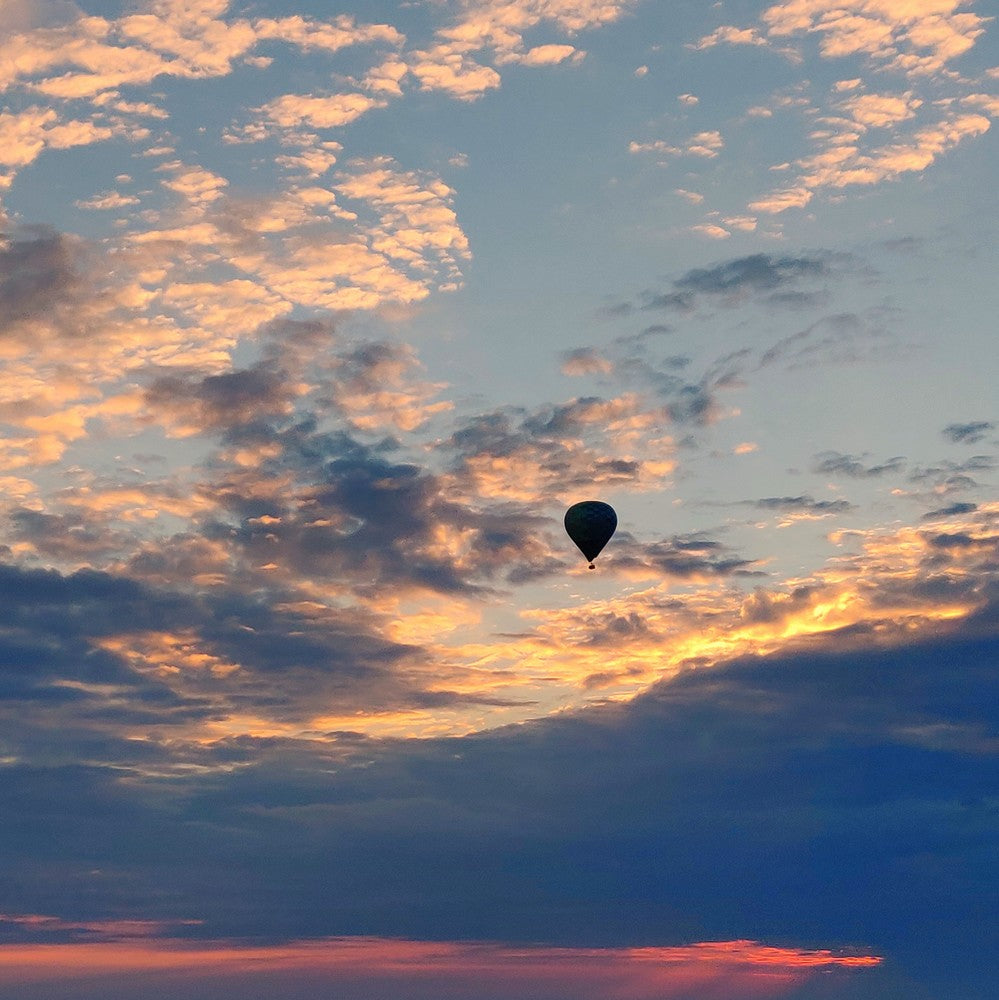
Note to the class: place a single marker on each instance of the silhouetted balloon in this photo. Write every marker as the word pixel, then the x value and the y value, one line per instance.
pixel 590 525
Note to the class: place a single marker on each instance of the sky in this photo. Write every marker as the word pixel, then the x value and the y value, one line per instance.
pixel 314 319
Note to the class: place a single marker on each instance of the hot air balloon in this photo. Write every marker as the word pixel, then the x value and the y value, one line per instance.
pixel 590 525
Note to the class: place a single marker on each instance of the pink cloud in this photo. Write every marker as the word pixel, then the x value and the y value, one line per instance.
pixel 373 967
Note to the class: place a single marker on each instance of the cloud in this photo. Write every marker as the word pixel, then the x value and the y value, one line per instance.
pixel 398 240
pixel 108 201
pixel 729 35
pixel 76 57
pixel 456 62
pixel 364 967
pixel 861 137
pixel 336 552
pixel 585 361
pixel 554 453
pixel 369 385
pixel 111 654
pixel 845 164
pixel 442 68
pixel 882 584
pixel 186 40
pixel 55 930
pixel 881 110
pixel 197 185
pixel 969 433
pixel 954 510
pixel 784 781
pixel 38 272
pixel 803 505
pixel 712 232
pixel 759 271
pixel 25 135
pixel 339 32
pixel 730 282
pixel 215 402
pixel 550 55
pixel 781 200
pixel 705 145
pixel 689 558
pixel 853 466
pixel 840 338
pixel 947 479
pixel 912 39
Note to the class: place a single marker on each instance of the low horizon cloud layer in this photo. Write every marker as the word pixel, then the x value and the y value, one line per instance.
pixel 313 324
pixel 366 967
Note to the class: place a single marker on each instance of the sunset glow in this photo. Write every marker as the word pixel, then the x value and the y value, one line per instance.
pixel 359 964
pixel 316 319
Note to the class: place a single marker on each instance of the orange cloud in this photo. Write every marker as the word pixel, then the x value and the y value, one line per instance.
pixel 781 200
pixel 936 31
pixel 334 111
pixel 613 647
pixel 711 231
pixel 550 55
pixel 198 185
pixel 918 38
pixel 704 144
pixel 25 135
pixel 444 68
pixel 881 110
pixel 339 32
pixel 715 969
pixel 499 29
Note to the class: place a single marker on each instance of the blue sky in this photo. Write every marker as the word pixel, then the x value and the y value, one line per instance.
pixel 314 320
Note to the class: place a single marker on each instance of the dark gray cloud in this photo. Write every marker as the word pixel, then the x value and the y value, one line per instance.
pixel 686 400
pixel 39 274
pixel 72 537
pixel 54 671
pixel 960 540
pixel 803 504
pixel 271 391
pixel 731 281
pixel 844 338
pixel 953 510
pixel 547 438
pixel 854 466
pixel 655 330
pixel 797 299
pixel 949 477
pixel 679 301
pixel 693 404
pixel 774 280
pixel 969 433
pixel 370 520
pixel 356 508
pixel 680 557
pixel 215 402
pixel 758 272
pixel 91 651
pixel 839 797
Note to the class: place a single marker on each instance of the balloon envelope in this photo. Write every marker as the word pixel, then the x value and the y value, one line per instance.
pixel 590 525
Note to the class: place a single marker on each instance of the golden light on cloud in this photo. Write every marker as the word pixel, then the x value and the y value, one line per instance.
pixel 167 654
pixel 622 644
pixel 668 610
